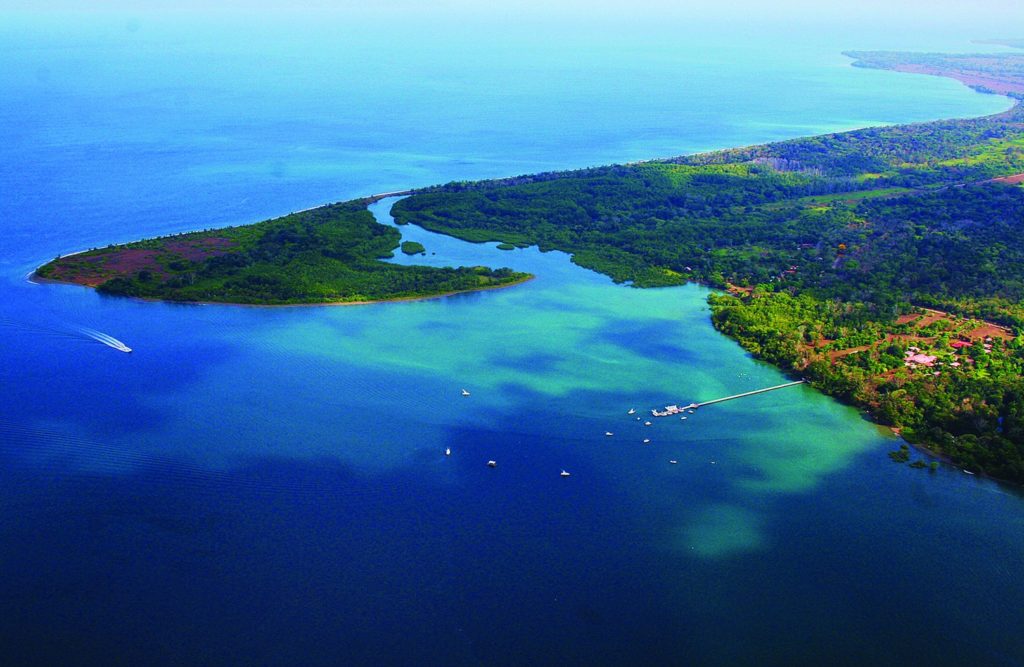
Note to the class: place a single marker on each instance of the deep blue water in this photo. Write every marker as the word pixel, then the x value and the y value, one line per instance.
pixel 269 486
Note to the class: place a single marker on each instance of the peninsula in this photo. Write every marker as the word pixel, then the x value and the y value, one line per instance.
pixel 885 265
pixel 329 254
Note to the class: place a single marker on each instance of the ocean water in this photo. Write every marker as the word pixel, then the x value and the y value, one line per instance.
pixel 269 485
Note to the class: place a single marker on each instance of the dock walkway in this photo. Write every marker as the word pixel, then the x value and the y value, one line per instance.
pixel 676 409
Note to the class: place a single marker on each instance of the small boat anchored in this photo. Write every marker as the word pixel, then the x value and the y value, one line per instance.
pixel 564 474
pixel 632 411
pixel 492 464
pixel 647 441
pixel 447 451
pixel 465 393
pixel 674 462
pixel 609 433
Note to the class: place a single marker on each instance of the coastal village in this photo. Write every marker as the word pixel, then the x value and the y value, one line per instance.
pixel 934 340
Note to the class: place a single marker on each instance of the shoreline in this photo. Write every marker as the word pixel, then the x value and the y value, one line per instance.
pixel 336 304
pixel 965 80
pixel 37 280
pixel 367 200
pixel 979 84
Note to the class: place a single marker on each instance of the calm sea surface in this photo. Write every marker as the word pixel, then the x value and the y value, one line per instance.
pixel 269 486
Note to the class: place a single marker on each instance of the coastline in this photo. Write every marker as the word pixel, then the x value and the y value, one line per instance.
pixel 367 200
pixel 867 412
pixel 1014 100
pixel 333 304
pixel 37 280
pixel 364 202
pixel 34 277
pixel 979 84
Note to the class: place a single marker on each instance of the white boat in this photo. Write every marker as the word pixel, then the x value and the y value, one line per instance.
pixel 673 462
pixel 682 418
pixel 106 339
pixel 609 433
pixel 492 464
pixel 690 411
pixel 563 474
pixel 647 423
pixel 632 411
pixel 647 440
pixel 465 393
pixel 447 451
pixel 968 472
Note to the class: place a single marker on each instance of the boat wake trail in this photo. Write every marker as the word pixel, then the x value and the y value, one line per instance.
pixel 105 339
pixel 70 332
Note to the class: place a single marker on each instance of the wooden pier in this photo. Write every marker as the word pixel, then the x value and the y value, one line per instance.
pixel 676 409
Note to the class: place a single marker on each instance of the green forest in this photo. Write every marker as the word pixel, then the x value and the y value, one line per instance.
pixel 330 254
pixel 828 244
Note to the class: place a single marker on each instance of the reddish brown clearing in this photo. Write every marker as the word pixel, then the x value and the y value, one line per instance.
pixel 94 269
pixel 929 317
pixel 739 290
pixel 989 330
pixel 905 338
pixel 1011 180
pixel 976 79
pixel 196 250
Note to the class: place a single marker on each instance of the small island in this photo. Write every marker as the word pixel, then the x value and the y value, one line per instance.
pixel 413 248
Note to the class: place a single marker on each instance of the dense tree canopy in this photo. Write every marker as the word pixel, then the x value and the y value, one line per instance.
pixel 327 254
pixel 836 236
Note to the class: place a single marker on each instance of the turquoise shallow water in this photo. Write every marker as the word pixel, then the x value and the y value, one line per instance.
pixel 269 486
